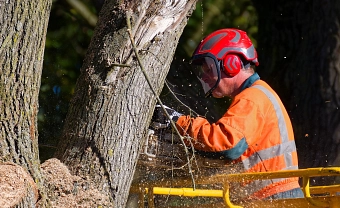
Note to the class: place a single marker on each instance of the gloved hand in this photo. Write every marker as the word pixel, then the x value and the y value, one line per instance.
pixel 159 118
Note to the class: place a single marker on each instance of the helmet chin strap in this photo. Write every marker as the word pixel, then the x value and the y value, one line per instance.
pixel 209 93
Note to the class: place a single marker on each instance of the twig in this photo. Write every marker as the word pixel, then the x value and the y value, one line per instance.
pixel 170 90
pixel 121 65
pixel 178 100
pixel 173 125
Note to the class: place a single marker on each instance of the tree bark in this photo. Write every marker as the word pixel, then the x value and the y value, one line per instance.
pixel 299 43
pixel 22 42
pixel 112 105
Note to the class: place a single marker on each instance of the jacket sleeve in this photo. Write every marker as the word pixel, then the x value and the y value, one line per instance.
pixel 229 137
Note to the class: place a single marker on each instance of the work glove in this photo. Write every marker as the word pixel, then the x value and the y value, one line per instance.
pixel 159 118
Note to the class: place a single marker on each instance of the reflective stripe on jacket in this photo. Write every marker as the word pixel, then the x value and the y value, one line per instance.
pixel 256 130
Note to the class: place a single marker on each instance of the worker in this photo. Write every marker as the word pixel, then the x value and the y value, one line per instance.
pixel 256 130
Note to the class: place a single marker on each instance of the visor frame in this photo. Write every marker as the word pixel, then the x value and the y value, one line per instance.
pixel 217 64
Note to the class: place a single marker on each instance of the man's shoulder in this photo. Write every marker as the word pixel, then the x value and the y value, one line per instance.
pixel 257 92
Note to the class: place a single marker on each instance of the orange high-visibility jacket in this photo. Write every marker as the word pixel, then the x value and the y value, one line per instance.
pixel 255 131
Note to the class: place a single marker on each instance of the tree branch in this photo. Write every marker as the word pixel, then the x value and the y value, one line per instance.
pixel 84 11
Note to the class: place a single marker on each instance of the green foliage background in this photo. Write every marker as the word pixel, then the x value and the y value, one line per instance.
pixel 69 35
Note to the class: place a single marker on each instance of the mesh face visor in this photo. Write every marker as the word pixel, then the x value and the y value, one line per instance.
pixel 207 70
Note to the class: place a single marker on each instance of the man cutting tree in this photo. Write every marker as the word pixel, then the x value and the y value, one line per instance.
pixel 255 131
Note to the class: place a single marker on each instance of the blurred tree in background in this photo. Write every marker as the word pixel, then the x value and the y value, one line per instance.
pixel 299 58
pixel 69 33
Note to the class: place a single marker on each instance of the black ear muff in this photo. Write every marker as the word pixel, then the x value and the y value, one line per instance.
pixel 232 64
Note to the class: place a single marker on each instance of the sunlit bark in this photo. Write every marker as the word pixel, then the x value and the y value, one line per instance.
pixel 113 104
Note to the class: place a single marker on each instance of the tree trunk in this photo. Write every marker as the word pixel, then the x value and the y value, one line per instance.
pixel 299 45
pixel 22 42
pixel 112 105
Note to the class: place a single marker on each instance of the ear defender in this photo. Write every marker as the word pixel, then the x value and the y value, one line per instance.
pixel 232 64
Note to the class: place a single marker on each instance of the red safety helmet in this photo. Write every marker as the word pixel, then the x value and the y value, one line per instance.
pixel 225 49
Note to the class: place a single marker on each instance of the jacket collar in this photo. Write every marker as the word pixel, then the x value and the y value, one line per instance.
pixel 250 81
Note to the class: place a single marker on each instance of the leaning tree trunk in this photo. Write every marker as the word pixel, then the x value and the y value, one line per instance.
pixel 112 105
pixel 299 45
pixel 23 26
